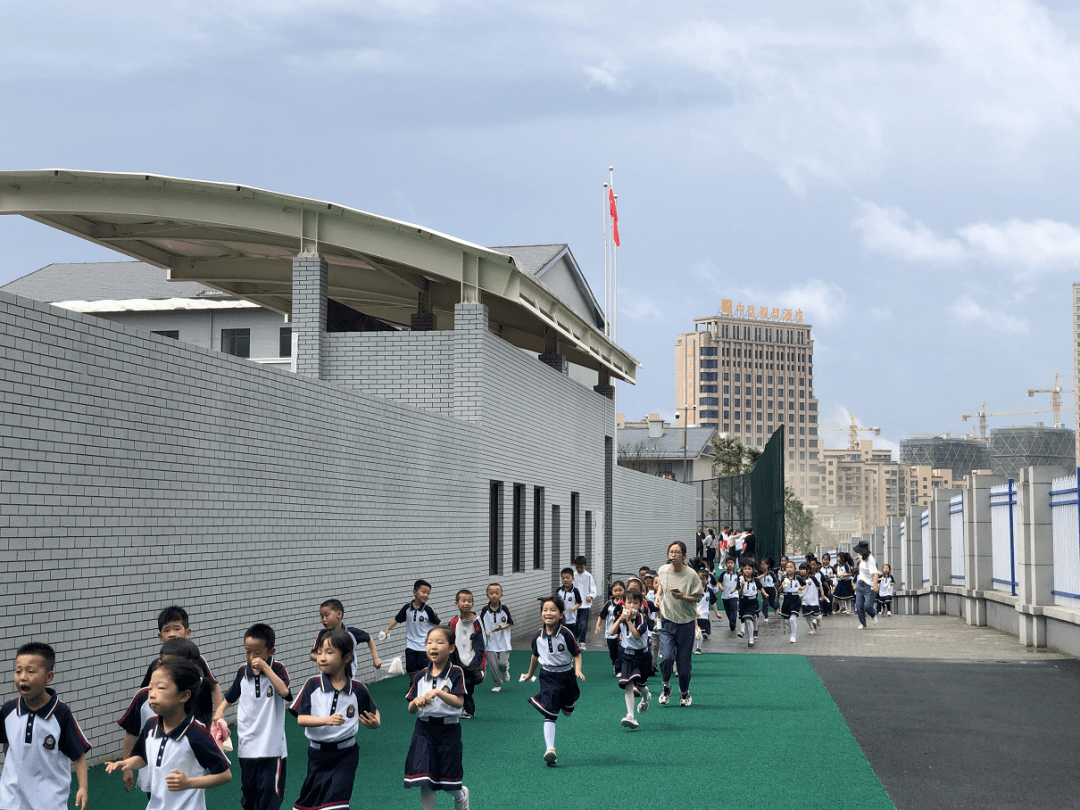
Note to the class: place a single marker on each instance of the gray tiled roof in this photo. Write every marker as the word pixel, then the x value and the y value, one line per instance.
pixel 668 446
pixel 532 258
pixel 101 281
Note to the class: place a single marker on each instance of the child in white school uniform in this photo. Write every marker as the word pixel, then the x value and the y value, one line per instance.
pixel 261 692
pixel 608 613
pixel 708 600
pixel 811 606
pixel 555 650
pixel 331 708
pixel 885 590
pixel 437 698
pixel 418 617
pixel 40 738
pixel 729 592
pixel 748 602
pixel 174 746
pixel 631 627
pixel 791 589
pixel 496 620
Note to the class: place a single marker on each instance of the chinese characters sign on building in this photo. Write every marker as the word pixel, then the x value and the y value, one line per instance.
pixel 760 313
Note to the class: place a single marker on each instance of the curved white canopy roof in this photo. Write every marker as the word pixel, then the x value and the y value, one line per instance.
pixel 242 240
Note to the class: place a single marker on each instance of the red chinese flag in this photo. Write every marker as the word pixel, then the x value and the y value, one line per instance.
pixel 614 217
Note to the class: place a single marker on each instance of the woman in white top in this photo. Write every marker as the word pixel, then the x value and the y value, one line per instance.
pixel 866 583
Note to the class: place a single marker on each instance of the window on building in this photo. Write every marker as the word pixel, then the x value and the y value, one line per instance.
pixel 236 342
pixel 169 333
pixel 575 520
pixel 708 401
pixel 708 376
pixel 727 375
pixel 707 389
pixel 710 414
pixel 517 527
pixel 538 527
pixel 494 526
pixel 285 341
pixel 708 363
pixel 707 351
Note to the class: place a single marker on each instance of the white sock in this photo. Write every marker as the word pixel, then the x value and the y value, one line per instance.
pixel 549 733
pixel 697 644
pixel 794 622
pixel 427 798
pixel 810 621
pixel 750 629
pixel 456 795
pixel 628 692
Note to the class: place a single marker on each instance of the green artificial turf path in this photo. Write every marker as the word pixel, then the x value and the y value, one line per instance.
pixel 761 729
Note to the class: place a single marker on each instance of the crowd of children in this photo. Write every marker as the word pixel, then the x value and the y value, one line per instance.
pixel 175 733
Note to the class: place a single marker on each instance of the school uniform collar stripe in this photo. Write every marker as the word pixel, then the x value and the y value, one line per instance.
pixel 178 732
pixel 326 686
pixel 46 711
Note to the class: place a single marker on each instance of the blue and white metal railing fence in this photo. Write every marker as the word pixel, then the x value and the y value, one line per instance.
pixel 903 555
pixel 1065 514
pixel 956 537
pixel 1003 529
pixel 925 523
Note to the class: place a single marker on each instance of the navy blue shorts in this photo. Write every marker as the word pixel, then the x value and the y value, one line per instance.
pixel 558 691
pixel 329 781
pixel 705 625
pixel 613 649
pixel 635 667
pixel 262 782
pixel 791 606
pixel 811 610
pixel 748 607
pixel 415 660
pixel 434 759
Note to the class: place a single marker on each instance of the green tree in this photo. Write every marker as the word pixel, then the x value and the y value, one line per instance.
pixel 731 498
pixel 799 524
pixel 731 457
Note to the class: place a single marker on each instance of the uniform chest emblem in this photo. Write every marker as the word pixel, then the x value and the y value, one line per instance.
pixel 50 743
pixel 562 648
pixel 350 712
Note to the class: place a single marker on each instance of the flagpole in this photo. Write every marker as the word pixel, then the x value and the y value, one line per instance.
pixel 614 270
pixel 607 278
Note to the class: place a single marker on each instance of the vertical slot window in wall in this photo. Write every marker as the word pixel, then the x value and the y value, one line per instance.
pixel 285 341
pixel 538 527
pixel 588 552
pixel 518 526
pixel 494 526
pixel 575 535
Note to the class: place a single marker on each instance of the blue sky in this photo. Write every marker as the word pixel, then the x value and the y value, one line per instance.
pixel 905 173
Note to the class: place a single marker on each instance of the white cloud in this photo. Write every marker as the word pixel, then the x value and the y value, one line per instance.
pixel 893 232
pixel 1024 246
pixel 607 74
pixel 822 303
pixel 966 311
pixel 834 428
pixel 637 307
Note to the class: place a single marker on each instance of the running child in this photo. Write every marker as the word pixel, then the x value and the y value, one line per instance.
pixel 173 623
pixel 824 587
pixel 608 613
pixel 496 621
pixel 653 608
pixel 437 698
pixel 844 594
pixel 885 590
pixel 729 592
pixel 556 651
pixel 791 587
pixel 767 586
pixel 828 572
pixel 631 627
pixel 176 748
pixel 332 616
pixel 469 642
pixel 418 618
pixel 586 586
pixel 261 692
pixel 748 602
pixel 571 598
pixel 708 599
pixel 40 754
pixel 331 708
pixel 811 606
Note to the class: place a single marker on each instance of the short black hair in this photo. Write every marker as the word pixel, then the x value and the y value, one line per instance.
pixel 633 593
pixel 181 648
pixel 459 593
pixel 421 583
pixel 333 604
pixel 567 570
pixel 173 613
pixel 580 560
pixel 265 633
pixel 47 653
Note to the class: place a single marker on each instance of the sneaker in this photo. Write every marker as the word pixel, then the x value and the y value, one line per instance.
pixel 739 634
pixel 630 721
pixel 697 652
pixel 766 620
pixel 859 627
pixel 466 716
pixel 874 618
pixel 643 704
pixel 792 639
pixel 583 646
pixel 750 643
pixel 888 613
pixel 686 700
pixel 665 695
pixel 496 689
pixel 549 757
pixel 463 803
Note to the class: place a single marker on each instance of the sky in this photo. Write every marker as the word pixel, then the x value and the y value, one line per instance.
pixel 905 173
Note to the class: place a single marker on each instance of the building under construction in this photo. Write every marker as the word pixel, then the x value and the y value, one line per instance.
pixel 1014 448
pixel 961 456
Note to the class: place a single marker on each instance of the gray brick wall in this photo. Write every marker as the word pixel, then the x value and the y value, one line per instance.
pixel 650 512
pixel 136 472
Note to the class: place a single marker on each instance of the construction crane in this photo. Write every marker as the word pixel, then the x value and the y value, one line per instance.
pixel 1055 397
pixel 983 416
pixel 854 431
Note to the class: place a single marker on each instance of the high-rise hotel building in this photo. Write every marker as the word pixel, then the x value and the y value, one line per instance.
pixel 747 371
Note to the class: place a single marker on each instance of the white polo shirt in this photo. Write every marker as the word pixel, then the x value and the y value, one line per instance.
pixel 319 699
pixel 41 745
pixel 452 679
pixel 556 651
pixel 570 598
pixel 133 721
pixel 260 713
pixel 188 748
pixel 499 641
pixel 418 621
